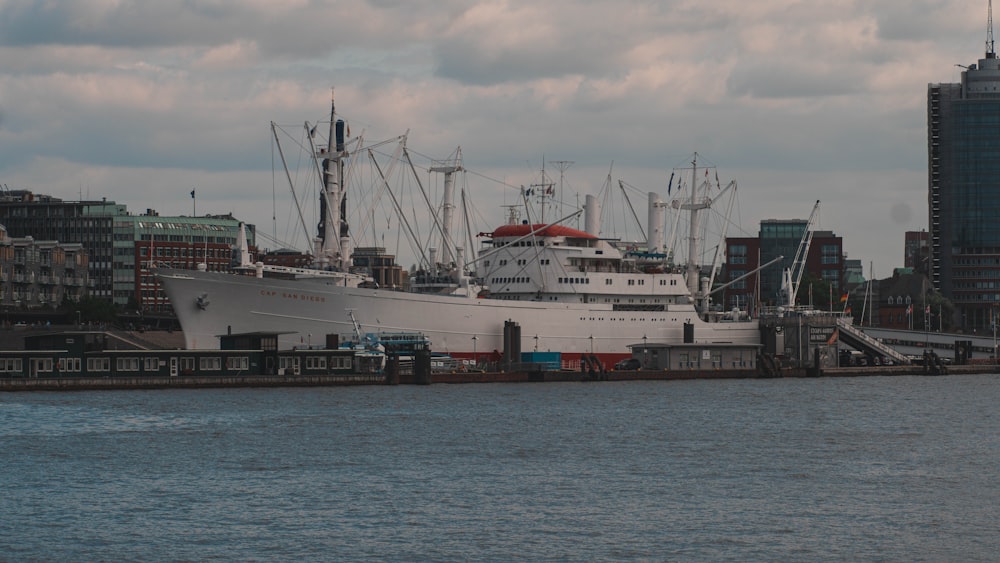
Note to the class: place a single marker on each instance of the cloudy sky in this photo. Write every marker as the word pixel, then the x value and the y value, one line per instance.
pixel 141 101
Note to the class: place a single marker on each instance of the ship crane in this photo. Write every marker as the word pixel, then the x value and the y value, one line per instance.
pixel 746 275
pixel 792 277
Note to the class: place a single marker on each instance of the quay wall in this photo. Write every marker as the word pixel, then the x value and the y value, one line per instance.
pixel 195 382
pixel 185 382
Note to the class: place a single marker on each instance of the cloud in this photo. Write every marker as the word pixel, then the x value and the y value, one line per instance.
pixel 799 101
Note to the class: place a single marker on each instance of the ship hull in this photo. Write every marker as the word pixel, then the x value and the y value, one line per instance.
pixel 209 304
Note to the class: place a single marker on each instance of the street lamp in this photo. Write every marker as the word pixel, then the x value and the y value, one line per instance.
pixel 591 343
pixel 536 343
pixel 78 323
pixel 475 357
pixel 993 321
pixel 645 351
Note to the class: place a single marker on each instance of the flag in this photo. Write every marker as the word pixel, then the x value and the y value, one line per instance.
pixel 927 310
pixel 670 183
pixel 909 310
pixel 192 194
pixel 843 298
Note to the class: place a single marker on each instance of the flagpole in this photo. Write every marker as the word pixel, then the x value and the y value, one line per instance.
pixel 194 204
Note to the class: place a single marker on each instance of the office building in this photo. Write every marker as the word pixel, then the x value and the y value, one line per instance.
pixel 89 223
pixel 175 242
pixel 118 243
pixel 915 250
pixel 824 261
pixel 963 146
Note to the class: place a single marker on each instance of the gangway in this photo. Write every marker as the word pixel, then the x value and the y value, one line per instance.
pixel 855 337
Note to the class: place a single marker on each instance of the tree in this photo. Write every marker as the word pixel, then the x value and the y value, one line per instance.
pixel 96 310
pixel 942 315
pixel 820 292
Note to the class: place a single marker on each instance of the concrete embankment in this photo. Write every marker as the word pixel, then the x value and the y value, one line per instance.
pixel 189 382
pixel 107 383
pixel 915 369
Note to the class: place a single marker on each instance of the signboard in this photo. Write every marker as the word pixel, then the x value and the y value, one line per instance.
pixel 821 333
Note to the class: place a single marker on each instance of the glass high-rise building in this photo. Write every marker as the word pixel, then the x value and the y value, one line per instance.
pixel 963 146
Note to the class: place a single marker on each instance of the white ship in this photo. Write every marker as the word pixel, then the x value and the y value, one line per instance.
pixel 570 290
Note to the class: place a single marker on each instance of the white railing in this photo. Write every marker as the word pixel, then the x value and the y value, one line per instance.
pixel 875 343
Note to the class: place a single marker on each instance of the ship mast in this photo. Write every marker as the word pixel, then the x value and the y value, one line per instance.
pixel 694 242
pixel 335 244
pixel 448 168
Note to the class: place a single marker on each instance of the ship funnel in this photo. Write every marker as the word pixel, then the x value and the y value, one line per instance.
pixel 340 135
pixel 655 216
pixel 592 216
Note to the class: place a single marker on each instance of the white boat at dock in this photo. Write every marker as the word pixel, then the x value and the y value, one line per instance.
pixel 570 290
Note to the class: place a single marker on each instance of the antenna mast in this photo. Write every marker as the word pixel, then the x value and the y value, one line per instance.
pixel 990 52
pixel 563 165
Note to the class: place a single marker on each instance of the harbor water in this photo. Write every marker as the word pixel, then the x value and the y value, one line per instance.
pixel 875 468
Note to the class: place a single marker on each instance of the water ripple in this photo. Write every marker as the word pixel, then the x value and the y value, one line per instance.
pixel 879 468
